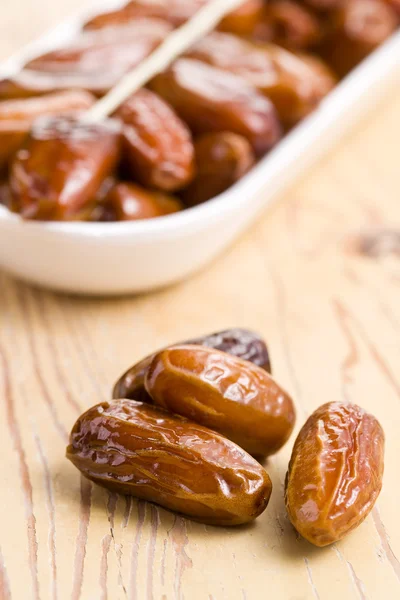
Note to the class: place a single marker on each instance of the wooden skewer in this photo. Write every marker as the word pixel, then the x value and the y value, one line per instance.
pixel 204 21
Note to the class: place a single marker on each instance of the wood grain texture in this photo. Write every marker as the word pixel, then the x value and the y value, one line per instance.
pixel 331 315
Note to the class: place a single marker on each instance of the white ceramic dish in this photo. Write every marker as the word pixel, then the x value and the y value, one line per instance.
pixel 120 258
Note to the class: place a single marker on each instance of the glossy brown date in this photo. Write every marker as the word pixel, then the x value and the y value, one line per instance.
pixel 303 82
pixel 113 18
pixel 52 104
pixel 131 202
pixel 140 450
pixel 27 83
pixel 242 343
pixel 62 166
pixel 175 12
pixel 95 62
pixel 291 25
pixel 335 472
pixel 16 117
pixel 158 147
pixel 283 22
pixel 293 83
pixel 116 49
pixel 210 100
pixel 357 28
pixel 225 393
pixel 221 160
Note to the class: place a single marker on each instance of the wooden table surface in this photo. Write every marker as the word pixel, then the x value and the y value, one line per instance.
pixel 330 310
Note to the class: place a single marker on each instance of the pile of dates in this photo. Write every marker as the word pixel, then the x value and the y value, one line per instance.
pixel 196 128
pixel 188 427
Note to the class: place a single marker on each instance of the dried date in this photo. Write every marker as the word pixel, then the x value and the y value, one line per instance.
pixel 175 12
pixel 292 26
pixel 335 472
pixel 95 62
pixel 141 450
pixel 221 160
pixel 210 99
pixel 115 49
pixel 227 394
pixel 357 28
pixel 242 343
pixel 28 84
pixel 62 166
pixel 17 116
pixel 131 202
pixel 27 110
pixel 158 148
pixel 295 84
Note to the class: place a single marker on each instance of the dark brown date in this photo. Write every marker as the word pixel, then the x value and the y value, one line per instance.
pixel 225 393
pixel 295 84
pixel 143 451
pixel 335 472
pixel 62 165
pixel 158 147
pixel 210 100
pixel 242 343
pixel 130 202
pixel 357 28
pixel 221 160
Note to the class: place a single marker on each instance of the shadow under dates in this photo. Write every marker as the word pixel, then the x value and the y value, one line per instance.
pixel 136 528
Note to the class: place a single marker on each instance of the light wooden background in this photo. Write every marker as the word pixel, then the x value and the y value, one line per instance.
pixel 331 316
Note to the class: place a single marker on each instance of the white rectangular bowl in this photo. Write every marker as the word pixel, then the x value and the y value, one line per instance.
pixel 138 256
